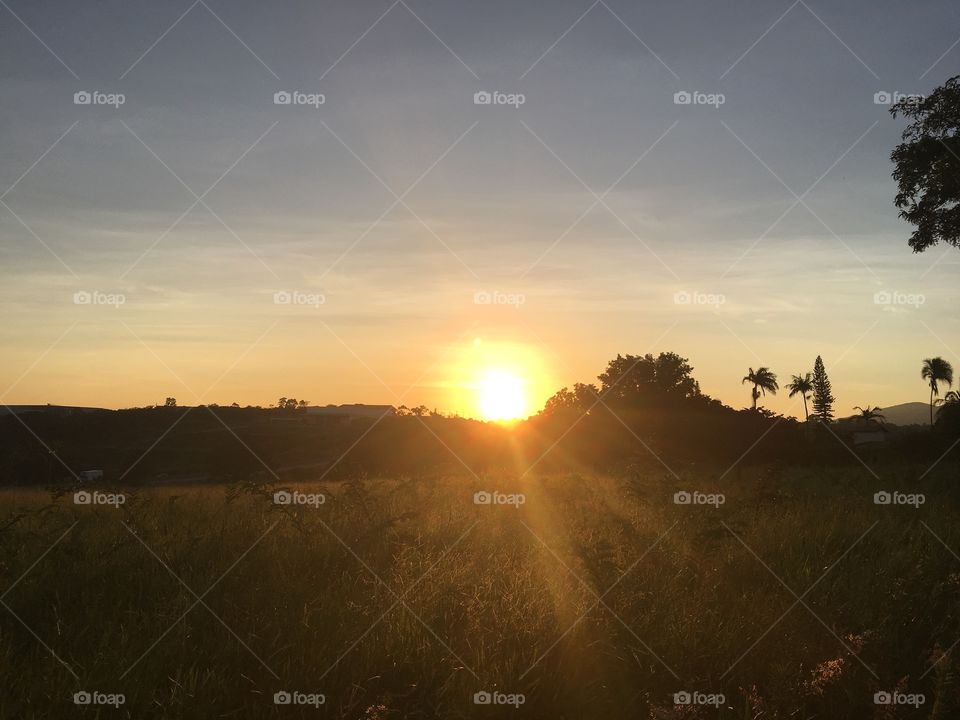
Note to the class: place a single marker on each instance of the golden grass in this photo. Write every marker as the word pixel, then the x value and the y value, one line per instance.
pixel 494 597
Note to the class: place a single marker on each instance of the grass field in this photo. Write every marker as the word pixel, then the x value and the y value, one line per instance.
pixel 797 597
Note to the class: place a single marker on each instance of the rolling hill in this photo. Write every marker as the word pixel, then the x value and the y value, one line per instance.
pixel 912 413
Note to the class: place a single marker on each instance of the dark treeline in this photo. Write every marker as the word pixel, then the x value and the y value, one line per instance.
pixel 647 411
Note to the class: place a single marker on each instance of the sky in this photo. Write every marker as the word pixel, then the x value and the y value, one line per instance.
pixel 388 237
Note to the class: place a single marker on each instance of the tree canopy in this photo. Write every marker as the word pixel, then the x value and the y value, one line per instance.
pixel 927 168
pixel 636 377
pixel 579 400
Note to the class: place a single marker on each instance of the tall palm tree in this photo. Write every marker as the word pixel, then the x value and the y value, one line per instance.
pixel 870 413
pixel 764 381
pixel 934 371
pixel 802 384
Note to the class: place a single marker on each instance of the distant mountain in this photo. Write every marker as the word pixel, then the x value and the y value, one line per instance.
pixel 912 413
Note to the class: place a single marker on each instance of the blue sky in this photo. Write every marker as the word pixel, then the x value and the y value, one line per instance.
pixel 599 201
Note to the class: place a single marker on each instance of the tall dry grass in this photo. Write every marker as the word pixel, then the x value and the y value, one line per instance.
pixel 401 598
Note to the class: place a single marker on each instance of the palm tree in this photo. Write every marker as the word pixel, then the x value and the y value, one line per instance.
pixel 948 401
pixel 934 371
pixel 870 413
pixel 951 397
pixel 802 384
pixel 763 380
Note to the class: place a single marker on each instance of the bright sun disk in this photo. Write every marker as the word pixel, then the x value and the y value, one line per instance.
pixel 501 396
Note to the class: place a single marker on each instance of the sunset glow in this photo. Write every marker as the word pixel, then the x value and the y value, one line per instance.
pixel 412 333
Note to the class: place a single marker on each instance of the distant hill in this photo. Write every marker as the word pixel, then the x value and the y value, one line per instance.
pixel 912 413
pixel 53 409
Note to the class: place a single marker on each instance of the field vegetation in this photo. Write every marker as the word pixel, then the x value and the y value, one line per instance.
pixel 591 596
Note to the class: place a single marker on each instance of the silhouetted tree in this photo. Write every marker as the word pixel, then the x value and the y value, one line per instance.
pixel 634 378
pixel 822 392
pixel 170 402
pixel 951 397
pixel 948 414
pixel 802 384
pixel 934 371
pixel 928 166
pixel 764 381
pixel 576 401
pixel 870 414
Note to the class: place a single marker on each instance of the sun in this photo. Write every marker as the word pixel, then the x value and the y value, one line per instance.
pixel 496 379
pixel 501 395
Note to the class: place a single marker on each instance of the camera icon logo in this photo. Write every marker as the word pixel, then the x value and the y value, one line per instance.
pixel 882 498
pixel 882 98
pixel 282 698
pixel 681 298
pixel 682 698
pixel 482 698
pixel 282 298
pixel 82 698
pixel 682 98
pixel 282 97
pixel 282 497
pixel 482 497
pixel 82 498
pixel 482 297
pixel 482 98
pixel 882 297
pixel 82 297
pixel 882 698
pixel 682 498
pixel 82 97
